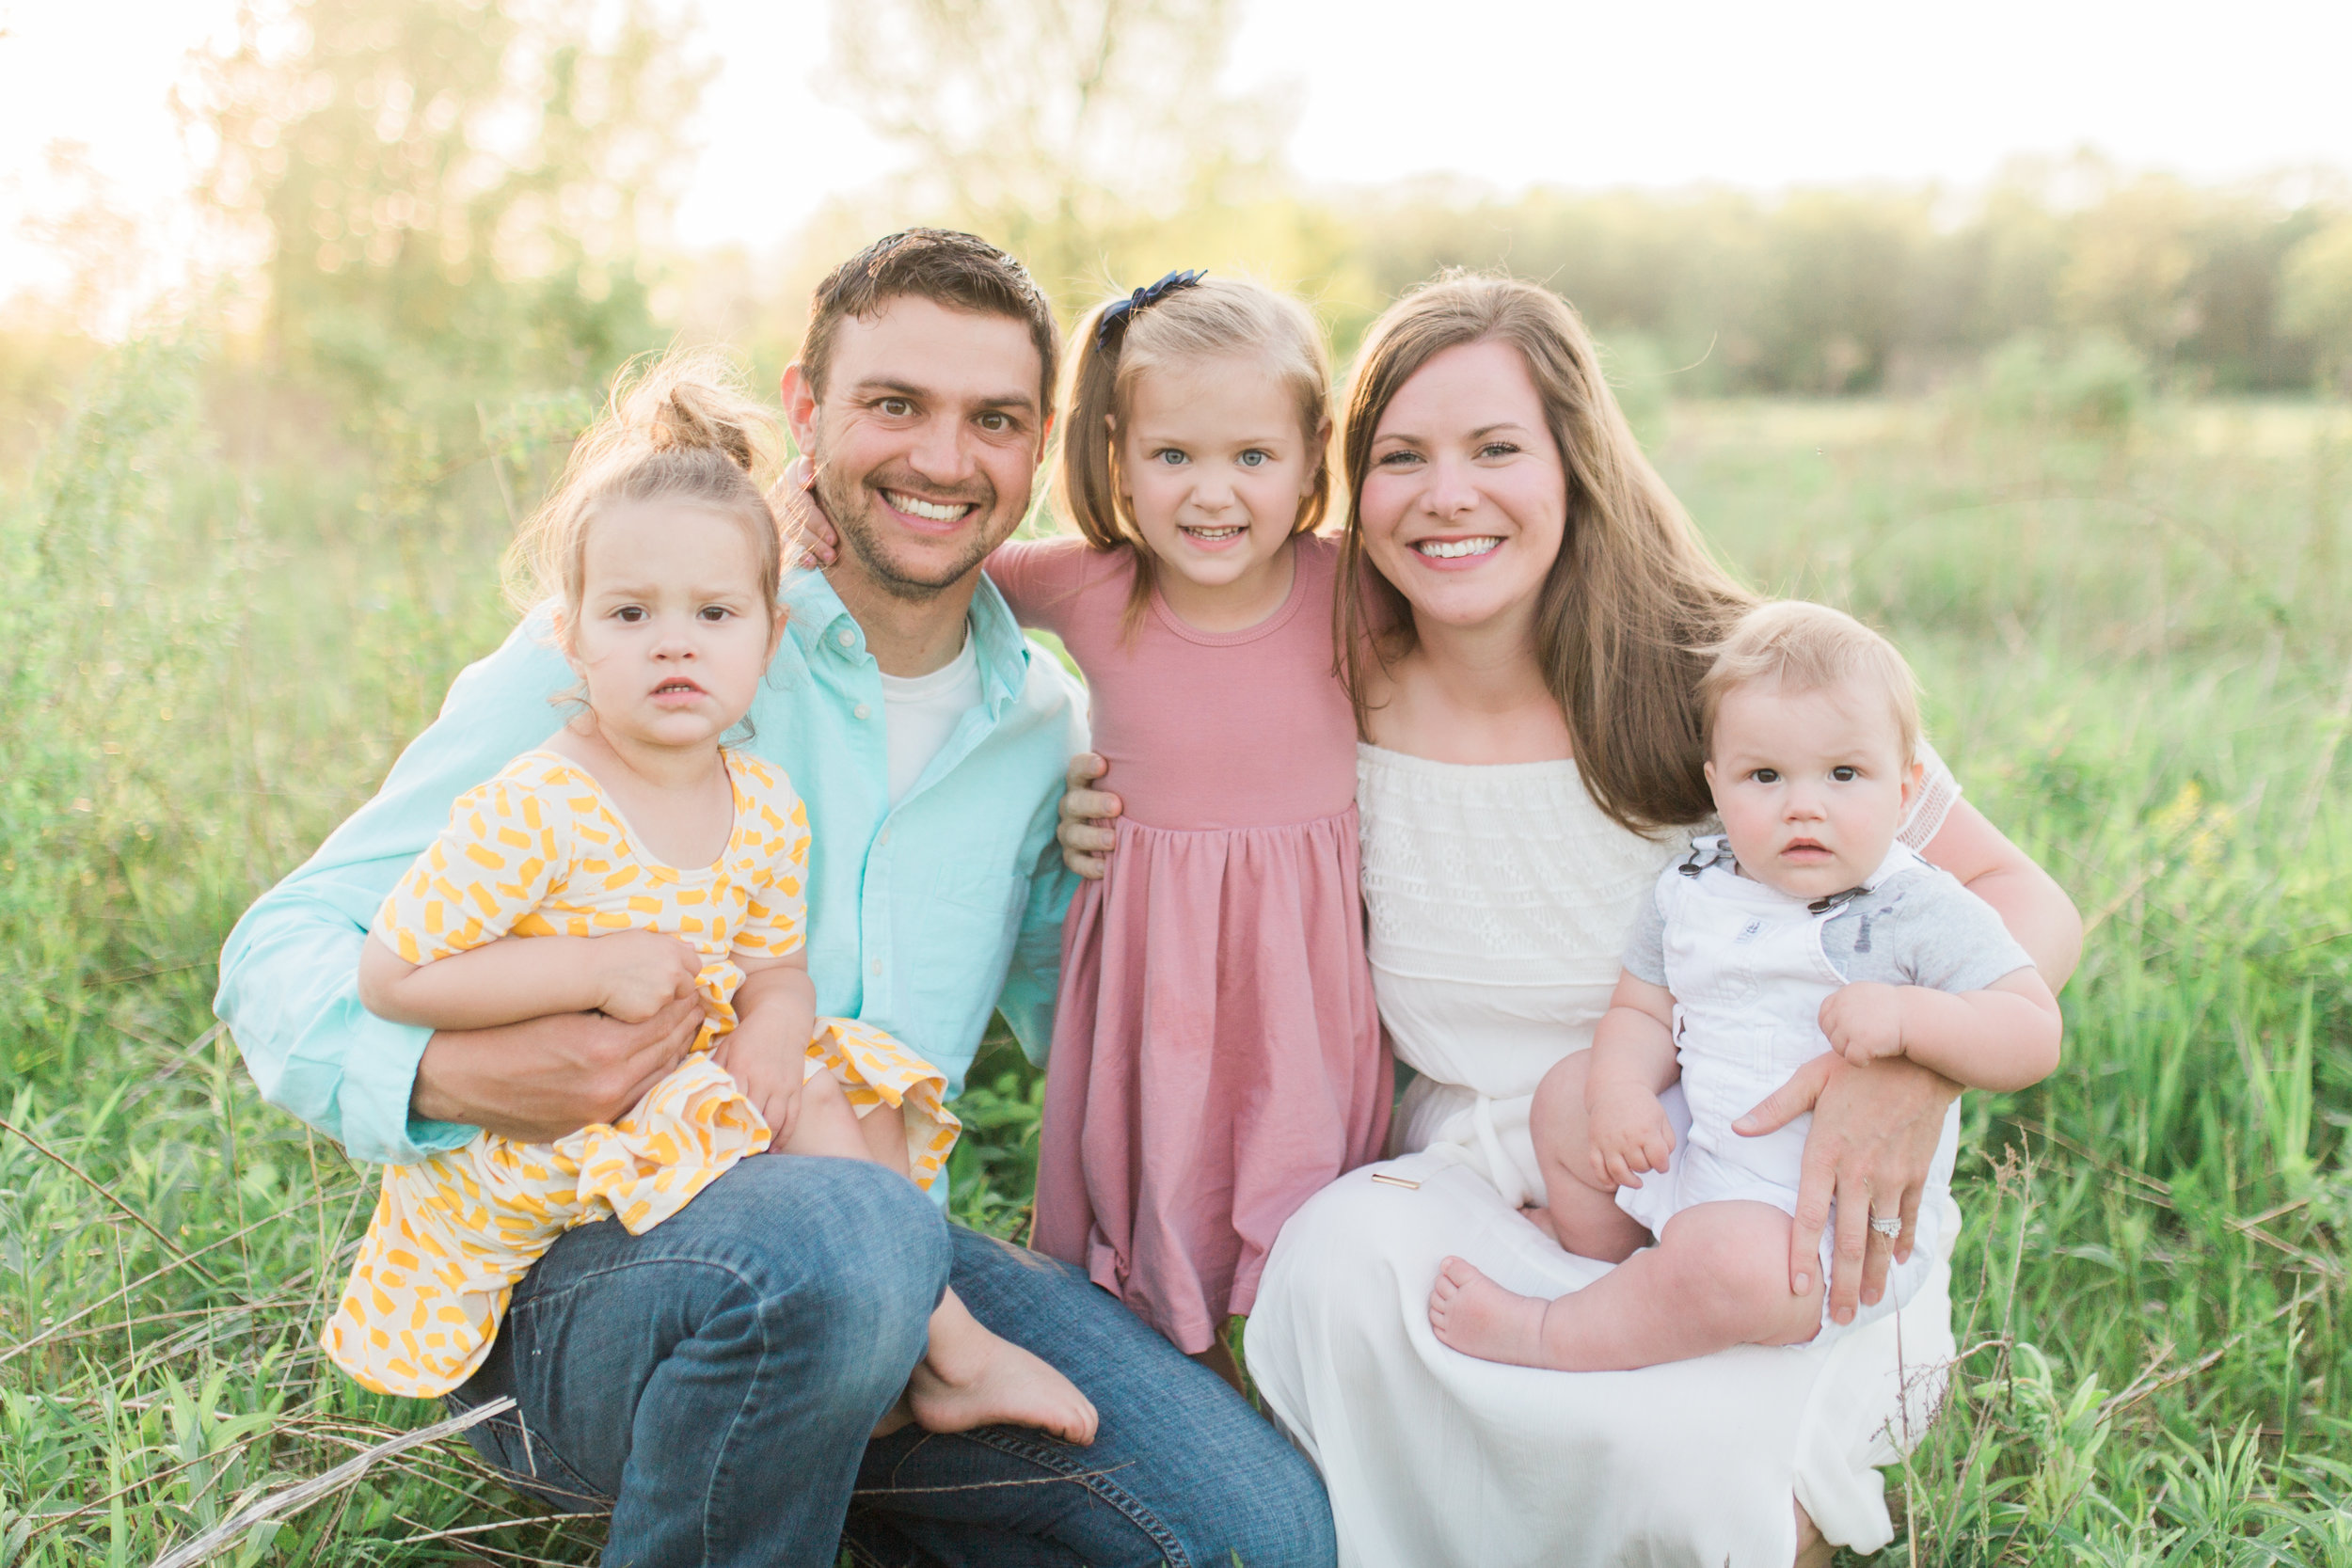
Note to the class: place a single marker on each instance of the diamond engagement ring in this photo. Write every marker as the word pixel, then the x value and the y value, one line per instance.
pixel 1888 1226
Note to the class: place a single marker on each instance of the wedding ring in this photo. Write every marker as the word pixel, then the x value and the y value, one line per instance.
pixel 1888 1226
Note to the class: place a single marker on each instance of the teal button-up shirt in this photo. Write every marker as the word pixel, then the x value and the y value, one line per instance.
pixel 922 918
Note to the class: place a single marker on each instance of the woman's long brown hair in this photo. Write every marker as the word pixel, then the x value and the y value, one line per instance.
pixel 1632 602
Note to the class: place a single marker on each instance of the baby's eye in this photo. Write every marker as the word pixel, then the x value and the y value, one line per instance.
pixel 1255 457
pixel 1844 773
pixel 1765 775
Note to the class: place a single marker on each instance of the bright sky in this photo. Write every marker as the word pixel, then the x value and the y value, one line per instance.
pixel 1509 91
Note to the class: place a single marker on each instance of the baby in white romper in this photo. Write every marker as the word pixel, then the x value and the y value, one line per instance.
pixel 1802 928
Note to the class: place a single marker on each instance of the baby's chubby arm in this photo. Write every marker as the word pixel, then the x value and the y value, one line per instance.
pixel 1633 1061
pixel 2003 1038
pixel 775 1014
pixel 629 976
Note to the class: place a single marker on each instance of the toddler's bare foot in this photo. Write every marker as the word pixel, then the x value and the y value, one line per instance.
pixel 971 1378
pixel 1541 1219
pixel 1479 1318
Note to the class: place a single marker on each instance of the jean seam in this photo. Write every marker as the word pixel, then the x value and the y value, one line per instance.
pixel 579 1490
pixel 720 1469
pixel 1096 1481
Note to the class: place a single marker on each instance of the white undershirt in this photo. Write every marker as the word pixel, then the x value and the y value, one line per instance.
pixel 924 710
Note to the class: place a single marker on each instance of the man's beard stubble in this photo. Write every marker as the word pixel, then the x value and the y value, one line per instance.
pixel 851 505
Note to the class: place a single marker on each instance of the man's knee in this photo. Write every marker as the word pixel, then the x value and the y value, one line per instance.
pixel 851 1251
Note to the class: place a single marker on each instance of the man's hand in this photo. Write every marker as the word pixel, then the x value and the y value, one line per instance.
pixel 1630 1132
pixel 640 972
pixel 1873 1137
pixel 802 522
pixel 548 1078
pixel 1085 832
pixel 1864 1022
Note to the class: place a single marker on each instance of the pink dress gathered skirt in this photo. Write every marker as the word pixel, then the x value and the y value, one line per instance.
pixel 1217 1056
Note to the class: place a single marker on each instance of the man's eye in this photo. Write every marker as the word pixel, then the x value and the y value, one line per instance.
pixel 1843 774
pixel 1256 457
pixel 897 408
pixel 995 423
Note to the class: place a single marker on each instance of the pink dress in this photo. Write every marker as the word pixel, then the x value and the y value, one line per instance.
pixel 1216 1055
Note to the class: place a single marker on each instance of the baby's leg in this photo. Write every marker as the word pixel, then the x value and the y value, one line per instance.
pixel 1583 1214
pixel 968 1377
pixel 1718 1277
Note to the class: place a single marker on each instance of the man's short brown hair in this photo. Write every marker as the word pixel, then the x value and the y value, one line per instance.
pixel 959 271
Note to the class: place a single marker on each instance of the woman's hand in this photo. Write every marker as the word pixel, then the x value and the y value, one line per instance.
pixel 1873 1137
pixel 1085 832
pixel 804 523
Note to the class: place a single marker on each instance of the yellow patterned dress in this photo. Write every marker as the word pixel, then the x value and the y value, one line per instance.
pixel 539 851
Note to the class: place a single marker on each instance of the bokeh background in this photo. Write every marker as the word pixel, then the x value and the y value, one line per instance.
pixel 2024 331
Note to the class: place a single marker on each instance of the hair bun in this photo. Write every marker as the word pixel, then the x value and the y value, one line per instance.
pixel 690 416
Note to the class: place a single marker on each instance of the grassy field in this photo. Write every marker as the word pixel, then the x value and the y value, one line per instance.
pixel 2136 646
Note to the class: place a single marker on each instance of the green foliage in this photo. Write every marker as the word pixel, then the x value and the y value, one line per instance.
pixel 2097 387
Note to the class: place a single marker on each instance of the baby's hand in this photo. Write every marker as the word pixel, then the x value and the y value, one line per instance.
pixel 640 972
pixel 769 1074
pixel 1864 1022
pixel 1629 1133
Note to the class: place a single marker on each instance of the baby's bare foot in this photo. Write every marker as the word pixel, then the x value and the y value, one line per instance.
pixel 984 1380
pixel 1479 1318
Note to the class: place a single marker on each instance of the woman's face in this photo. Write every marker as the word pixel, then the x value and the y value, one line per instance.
pixel 1465 503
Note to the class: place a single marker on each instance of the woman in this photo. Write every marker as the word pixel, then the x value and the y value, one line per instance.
pixel 1526 688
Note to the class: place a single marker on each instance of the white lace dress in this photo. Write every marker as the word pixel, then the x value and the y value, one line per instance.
pixel 1500 901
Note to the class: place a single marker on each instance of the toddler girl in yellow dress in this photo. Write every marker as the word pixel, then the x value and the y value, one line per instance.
pixel 647 863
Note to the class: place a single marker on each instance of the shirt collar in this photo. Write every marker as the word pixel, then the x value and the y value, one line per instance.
pixel 816 617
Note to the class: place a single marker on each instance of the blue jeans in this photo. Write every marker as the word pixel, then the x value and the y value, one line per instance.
pixel 713 1382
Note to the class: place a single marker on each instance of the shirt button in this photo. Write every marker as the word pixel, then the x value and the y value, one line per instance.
pixel 862 711
pixel 878 966
pixel 885 836
pixel 845 638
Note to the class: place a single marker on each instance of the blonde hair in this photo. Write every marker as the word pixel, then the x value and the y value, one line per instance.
pixel 677 427
pixel 1806 647
pixel 1632 601
pixel 1215 317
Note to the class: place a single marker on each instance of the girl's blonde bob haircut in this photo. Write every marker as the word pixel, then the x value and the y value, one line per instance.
pixel 679 427
pixel 1809 647
pixel 1626 616
pixel 1215 318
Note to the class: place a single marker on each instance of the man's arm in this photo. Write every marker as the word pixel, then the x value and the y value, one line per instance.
pixel 289 974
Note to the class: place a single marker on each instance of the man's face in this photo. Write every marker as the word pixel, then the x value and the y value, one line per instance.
pixel 925 440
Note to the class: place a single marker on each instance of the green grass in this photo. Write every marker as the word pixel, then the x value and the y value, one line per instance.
pixel 2135 652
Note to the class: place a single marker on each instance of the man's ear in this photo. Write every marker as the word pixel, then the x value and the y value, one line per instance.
pixel 800 406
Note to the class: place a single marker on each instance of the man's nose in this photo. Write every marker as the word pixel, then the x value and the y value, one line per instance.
pixel 941 452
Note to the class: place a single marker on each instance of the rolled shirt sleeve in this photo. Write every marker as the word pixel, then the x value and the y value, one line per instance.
pixel 289 974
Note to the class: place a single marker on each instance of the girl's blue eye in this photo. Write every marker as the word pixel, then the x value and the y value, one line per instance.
pixel 1255 457
pixel 1170 456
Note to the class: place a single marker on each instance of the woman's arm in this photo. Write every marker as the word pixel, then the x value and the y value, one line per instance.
pixel 1875 1129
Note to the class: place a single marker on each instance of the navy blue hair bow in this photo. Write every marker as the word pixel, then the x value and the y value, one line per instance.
pixel 1115 317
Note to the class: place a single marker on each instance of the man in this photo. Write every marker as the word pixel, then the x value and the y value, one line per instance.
pixel 717 1378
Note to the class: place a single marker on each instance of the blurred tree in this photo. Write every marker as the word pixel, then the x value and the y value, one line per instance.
pixel 1071 131
pixel 2316 301
pixel 448 188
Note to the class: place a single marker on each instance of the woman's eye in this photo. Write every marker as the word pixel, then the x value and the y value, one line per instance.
pixel 1256 457
pixel 1398 459
pixel 1844 774
pixel 1497 448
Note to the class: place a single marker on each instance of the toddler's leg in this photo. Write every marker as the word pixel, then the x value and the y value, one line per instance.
pixel 1583 1216
pixel 1718 1277
pixel 968 1377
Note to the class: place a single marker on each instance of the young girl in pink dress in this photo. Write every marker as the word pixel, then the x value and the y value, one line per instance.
pixel 1217 1054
